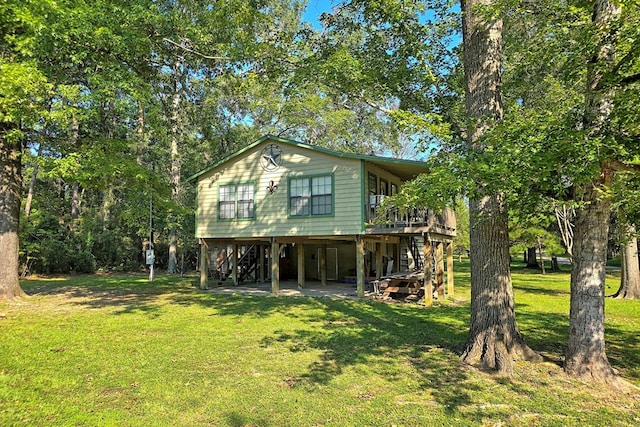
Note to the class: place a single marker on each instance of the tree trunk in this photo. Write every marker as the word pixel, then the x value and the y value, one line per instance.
pixel 75 187
pixel 541 257
pixel 10 198
pixel 176 127
pixel 532 258
pixel 108 199
pixel 140 125
pixel 630 277
pixel 565 216
pixel 32 184
pixel 494 340
pixel 586 358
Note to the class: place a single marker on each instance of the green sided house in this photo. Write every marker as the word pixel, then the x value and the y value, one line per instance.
pixel 284 210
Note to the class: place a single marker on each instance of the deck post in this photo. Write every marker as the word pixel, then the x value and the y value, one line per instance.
pixel 397 263
pixel 260 263
pixel 360 275
pixel 234 264
pixel 204 265
pixel 300 264
pixel 275 267
pixel 428 272
pixel 323 264
pixel 379 266
pixel 450 269
pixel 440 269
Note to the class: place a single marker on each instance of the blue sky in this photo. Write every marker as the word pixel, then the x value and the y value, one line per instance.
pixel 315 8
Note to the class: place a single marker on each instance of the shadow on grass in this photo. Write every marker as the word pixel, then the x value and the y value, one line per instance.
pixel 345 332
pixel 547 333
pixel 351 333
pixel 125 293
pixel 623 351
pixel 372 334
pixel 531 286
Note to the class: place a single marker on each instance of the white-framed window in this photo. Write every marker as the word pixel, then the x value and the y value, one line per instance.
pixel 245 201
pixel 236 201
pixel 311 196
pixel 322 195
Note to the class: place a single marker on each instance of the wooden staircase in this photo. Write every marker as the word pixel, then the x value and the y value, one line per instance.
pixel 412 255
pixel 248 265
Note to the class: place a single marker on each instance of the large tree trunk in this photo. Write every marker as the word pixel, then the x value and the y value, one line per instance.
pixel 176 128
pixel 630 277
pixel 10 197
pixel 494 340
pixel 586 358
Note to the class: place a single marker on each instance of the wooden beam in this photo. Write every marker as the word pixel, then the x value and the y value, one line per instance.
pixel 360 274
pixel 397 258
pixel 450 269
pixel 234 263
pixel 440 269
pixel 323 264
pixel 261 271
pixel 204 265
pixel 301 266
pixel 379 266
pixel 275 267
pixel 428 274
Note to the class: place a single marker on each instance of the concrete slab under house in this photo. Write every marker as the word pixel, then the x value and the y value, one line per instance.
pixel 280 210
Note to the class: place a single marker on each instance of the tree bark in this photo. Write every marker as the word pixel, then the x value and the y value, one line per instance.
pixel 75 187
pixel 32 184
pixel 564 216
pixel 10 198
pixel 541 257
pixel 140 125
pixel 532 258
pixel 586 357
pixel 176 127
pixel 630 274
pixel 494 340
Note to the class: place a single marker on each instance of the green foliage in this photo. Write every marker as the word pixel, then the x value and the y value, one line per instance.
pixel 461 242
pixel 540 230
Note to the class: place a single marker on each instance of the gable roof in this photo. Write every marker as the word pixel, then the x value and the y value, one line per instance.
pixel 404 169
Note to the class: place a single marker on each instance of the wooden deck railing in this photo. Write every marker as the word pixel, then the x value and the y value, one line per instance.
pixel 390 218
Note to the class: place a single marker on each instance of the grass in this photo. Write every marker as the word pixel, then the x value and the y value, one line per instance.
pixel 118 351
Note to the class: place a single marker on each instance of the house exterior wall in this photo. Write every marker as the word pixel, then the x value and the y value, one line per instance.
pixel 381 176
pixel 272 217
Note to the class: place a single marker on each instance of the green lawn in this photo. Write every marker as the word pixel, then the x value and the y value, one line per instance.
pixel 117 351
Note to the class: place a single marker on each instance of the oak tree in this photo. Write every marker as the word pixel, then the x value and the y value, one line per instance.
pixel 494 339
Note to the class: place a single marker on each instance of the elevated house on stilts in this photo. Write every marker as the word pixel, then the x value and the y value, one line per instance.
pixel 283 210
